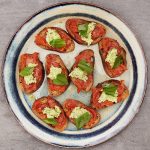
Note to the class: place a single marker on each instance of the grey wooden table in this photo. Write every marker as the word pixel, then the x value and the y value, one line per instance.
pixel 134 12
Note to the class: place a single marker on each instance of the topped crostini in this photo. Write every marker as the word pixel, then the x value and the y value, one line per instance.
pixel 31 72
pixel 57 75
pixel 85 32
pixel 81 115
pixel 50 112
pixel 55 39
pixel 108 93
pixel 82 71
pixel 113 57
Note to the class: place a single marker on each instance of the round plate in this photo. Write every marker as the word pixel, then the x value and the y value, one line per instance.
pixel 114 118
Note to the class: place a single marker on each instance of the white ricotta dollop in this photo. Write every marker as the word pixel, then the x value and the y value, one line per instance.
pixel 110 98
pixel 91 27
pixel 52 35
pixel 111 57
pixel 77 112
pixel 79 74
pixel 30 78
pixel 52 112
pixel 54 71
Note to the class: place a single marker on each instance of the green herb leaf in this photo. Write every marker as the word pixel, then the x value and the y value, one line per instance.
pixel 110 89
pixel 118 61
pixel 83 29
pixel 58 43
pixel 26 71
pixel 82 120
pixel 61 79
pixel 83 65
pixel 51 121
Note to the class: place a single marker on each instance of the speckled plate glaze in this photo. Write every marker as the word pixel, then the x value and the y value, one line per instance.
pixel 114 118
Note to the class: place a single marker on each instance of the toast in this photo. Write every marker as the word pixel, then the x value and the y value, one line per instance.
pixel 105 46
pixel 37 72
pixel 40 40
pixel 48 102
pixel 72 27
pixel 121 88
pixel 69 106
pixel 56 61
pixel 88 56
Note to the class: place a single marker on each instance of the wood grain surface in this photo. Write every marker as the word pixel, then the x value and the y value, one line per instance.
pixel 136 13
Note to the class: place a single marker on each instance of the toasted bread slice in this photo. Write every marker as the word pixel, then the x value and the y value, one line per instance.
pixel 122 90
pixel 38 72
pixel 72 28
pixel 70 104
pixel 40 40
pixel 105 45
pixel 56 61
pixel 43 102
pixel 81 85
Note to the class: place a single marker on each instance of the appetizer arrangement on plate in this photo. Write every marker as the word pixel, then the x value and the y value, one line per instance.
pixel 81 74
pixel 74 75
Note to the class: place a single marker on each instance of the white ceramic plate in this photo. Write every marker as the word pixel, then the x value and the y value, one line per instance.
pixel 114 118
